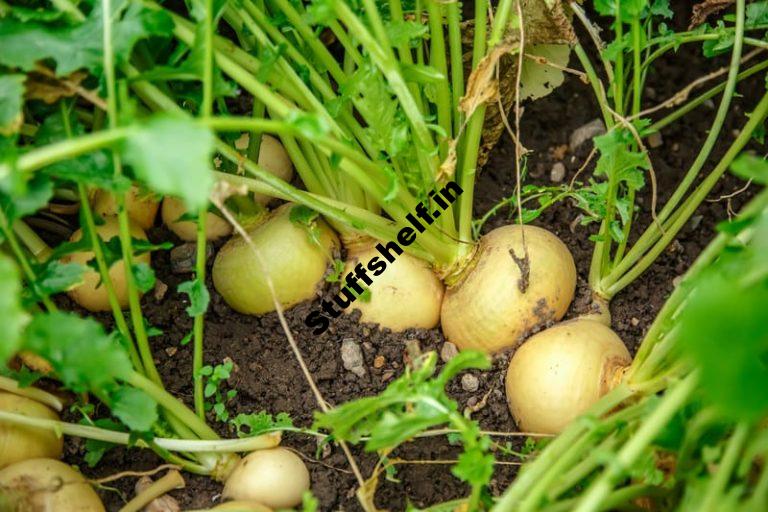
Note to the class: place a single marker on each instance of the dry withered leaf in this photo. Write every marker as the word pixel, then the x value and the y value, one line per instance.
pixel 546 22
pixel 50 89
pixel 706 8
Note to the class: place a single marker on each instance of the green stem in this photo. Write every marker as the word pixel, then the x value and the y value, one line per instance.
pixel 123 438
pixel 636 68
pixel 26 266
pixel 676 397
pixel 700 99
pixel 618 83
pixel 615 282
pixel 106 280
pixel 653 232
pixel 437 57
pixel 172 405
pixel 596 84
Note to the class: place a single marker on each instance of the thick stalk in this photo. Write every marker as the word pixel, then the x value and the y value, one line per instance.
pixel 653 233
pixel 612 283
pixel 617 467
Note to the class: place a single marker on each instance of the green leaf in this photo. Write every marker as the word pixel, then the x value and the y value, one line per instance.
pixel 54 277
pixel 405 32
pixel 310 125
pixel 144 277
pixel 83 356
pixel 751 167
pixel 11 101
pixel 198 296
pixel 723 328
pixel 173 156
pixel 22 195
pixel 134 408
pixel 756 14
pixel 90 169
pixel 80 46
pixel 12 317
pixel 257 423
pixel 474 467
pixel 95 450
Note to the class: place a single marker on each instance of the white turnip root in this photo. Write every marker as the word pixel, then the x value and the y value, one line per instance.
pixel 92 294
pixel 141 206
pixel 243 506
pixel 295 258
pixel 403 295
pixel 47 485
pixel 172 212
pixel 20 442
pixel 276 477
pixel 505 291
pixel 273 158
pixel 560 372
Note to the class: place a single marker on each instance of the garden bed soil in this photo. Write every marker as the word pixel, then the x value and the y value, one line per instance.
pixel 267 376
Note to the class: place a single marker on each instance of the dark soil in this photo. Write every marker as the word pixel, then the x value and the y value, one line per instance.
pixel 268 377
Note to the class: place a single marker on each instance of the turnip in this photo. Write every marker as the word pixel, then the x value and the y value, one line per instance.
pixel 560 372
pixel 273 158
pixel 19 442
pixel 242 506
pixel 141 206
pixel 47 485
pixel 296 257
pixel 509 288
pixel 276 477
pixel 92 294
pixel 172 212
pixel 403 295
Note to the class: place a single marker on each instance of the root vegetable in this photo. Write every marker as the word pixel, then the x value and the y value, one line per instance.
pixel 295 260
pixel 141 207
pixel 173 210
pixel 276 478
pixel 503 294
pixel 560 372
pixel 19 442
pixel 273 158
pixel 92 294
pixel 243 506
pixel 46 485
pixel 407 294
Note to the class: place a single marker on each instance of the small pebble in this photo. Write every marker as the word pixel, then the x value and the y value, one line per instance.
pixel 448 351
pixel 557 174
pixel 352 357
pixel 675 147
pixel 584 133
pixel 650 92
pixel 387 375
pixel 655 140
pixel 160 289
pixel 184 256
pixel 709 104
pixel 676 281
pixel 634 321
pixel 469 383
pixel 472 401
pixel 171 351
pixel 378 362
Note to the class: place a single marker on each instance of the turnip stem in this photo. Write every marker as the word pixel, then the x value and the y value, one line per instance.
pixel 21 258
pixel 172 405
pixel 106 279
pixel 32 393
pixel 700 99
pixel 670 404
pixel 172 480
pixel 437 57
pixel 653 232
pixel 615 281
pixel 514 495
pixel 245 444
pixel 733 449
